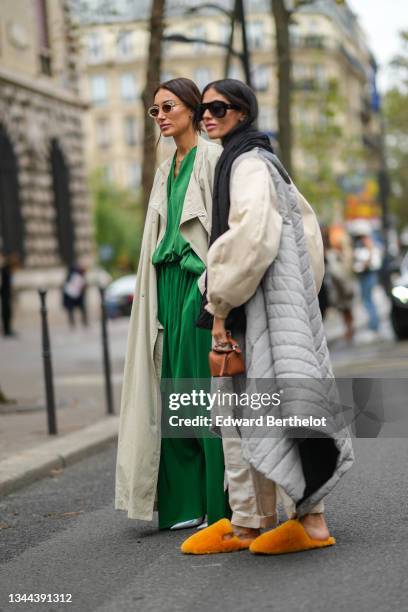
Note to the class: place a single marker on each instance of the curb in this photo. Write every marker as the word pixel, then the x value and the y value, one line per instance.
pixel 23 468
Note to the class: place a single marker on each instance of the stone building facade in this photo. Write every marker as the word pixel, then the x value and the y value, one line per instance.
pixel 44 209
pixel 327 45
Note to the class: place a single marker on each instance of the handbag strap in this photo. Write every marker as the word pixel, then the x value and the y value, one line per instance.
pixel 234 346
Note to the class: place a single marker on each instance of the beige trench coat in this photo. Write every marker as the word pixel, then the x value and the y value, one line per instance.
pixel 139 430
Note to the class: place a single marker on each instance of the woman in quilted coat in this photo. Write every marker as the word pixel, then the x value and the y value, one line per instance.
pixel 251 230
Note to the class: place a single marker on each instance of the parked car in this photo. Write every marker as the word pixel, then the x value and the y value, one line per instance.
pixel 119 296
pixel 399 301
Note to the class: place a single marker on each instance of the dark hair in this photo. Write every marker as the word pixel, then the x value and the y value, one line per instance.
pixel 237 93
pixel 188 92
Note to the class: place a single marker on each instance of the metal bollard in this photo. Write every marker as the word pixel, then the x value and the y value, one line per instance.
pixel 106 357
pixel 48 378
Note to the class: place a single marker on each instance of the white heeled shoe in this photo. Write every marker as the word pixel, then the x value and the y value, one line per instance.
pixel 188 524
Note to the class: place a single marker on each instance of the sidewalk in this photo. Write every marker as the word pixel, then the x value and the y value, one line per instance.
pixel 27 452
pixel 334 325
pixel 78 378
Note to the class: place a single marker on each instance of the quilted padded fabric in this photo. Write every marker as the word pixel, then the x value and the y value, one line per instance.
pixel 285 340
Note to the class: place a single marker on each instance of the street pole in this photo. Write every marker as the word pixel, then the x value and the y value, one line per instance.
pixel 106 356
pixel 47 362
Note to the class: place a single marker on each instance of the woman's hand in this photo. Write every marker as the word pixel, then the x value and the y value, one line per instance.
pixel 219 333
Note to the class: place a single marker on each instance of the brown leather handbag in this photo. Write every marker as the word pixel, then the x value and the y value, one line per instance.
pixel 228 361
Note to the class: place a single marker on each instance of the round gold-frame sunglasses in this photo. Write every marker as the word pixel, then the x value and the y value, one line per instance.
pixel 166 107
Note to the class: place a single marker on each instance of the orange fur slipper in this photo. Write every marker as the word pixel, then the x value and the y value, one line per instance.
pixel 210 540
pixel 289 537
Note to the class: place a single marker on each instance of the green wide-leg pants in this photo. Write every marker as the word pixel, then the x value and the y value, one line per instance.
pixel 191 474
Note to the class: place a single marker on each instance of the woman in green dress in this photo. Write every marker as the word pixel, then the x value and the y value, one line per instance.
pixel 190 480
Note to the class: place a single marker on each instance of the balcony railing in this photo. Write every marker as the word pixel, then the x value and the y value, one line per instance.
pixel 353 61
pixel 308 84
pixel 309 41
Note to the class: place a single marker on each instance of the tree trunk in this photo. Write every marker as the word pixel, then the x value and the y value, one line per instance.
pixel 281 17
pixel 152 81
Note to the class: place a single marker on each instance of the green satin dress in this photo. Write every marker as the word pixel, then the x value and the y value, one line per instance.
pixel 191 473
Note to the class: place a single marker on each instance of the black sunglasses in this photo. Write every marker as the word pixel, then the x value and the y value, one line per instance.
pixel 217 108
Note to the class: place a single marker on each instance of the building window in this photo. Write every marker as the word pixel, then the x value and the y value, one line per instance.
pixel 124 45
pixel 295 34
pixel 107 173
pixel 256 34
pixel 128 88
pixel 44 47
pixel 235 72
pixel 303 116
pixel 299 71
pixel 322 119
pixel 130 129
pixel 199 31
pixel 202 76
pixel 103 133
pixel 99 89
pixel 260 78
pixel 319 73
pixel 134 175
pixel 224 32
pixel 95 47
pixel 265 119
pixel 166 76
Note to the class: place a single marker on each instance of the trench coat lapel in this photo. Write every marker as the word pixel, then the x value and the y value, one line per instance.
pixel 158 198
pixel 194 201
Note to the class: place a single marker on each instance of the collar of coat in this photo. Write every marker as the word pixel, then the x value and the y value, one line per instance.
pixel 202 145
pixel 195 204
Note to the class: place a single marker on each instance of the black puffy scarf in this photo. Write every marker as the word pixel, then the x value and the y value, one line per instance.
pixel 239 141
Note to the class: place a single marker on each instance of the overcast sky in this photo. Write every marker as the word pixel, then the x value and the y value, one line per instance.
pixel 382 20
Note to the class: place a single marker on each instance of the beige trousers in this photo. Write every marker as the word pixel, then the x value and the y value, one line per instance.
pixel 252 497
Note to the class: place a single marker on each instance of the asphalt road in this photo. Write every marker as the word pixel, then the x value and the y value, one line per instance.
pixel 61 535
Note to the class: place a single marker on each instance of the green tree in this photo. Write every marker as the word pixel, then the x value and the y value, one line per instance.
pixel 118 221
pixel 282 11
pixel 396 126
pixel 315 137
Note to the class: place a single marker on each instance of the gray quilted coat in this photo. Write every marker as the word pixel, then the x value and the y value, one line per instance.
pixel 285 347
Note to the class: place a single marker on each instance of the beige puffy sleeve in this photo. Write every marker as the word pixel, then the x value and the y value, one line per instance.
pixel 238 259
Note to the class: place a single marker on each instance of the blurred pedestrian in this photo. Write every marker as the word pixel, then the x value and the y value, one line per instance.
pixel 367 259
pixel 74 295
pixel 339 261
pixel 9 264
pixel 164 343
pixel 325 289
